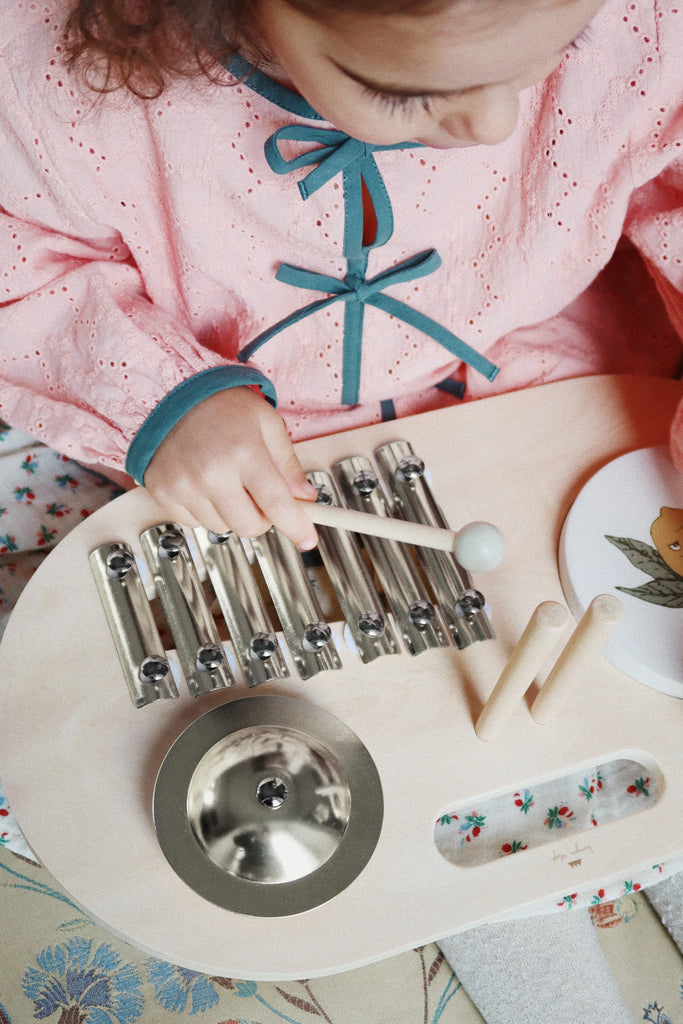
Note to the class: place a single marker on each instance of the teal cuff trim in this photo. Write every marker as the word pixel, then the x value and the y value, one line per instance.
pixel 184 397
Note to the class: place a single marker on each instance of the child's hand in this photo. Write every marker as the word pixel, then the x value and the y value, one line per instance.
pixel 228 464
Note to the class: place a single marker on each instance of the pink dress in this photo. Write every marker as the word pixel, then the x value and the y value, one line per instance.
pixel 146 248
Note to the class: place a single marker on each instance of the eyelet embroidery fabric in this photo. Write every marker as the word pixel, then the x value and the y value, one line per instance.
pixel 156 258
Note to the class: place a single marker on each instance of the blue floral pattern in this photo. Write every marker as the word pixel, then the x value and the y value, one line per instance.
pixel 178 989
pixel 84 986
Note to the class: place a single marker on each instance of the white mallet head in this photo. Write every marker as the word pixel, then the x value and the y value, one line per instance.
pixel 479 547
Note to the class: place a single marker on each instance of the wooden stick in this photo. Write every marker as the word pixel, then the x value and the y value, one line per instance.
pixel 579 656
pixel 477 546
pixel 533 647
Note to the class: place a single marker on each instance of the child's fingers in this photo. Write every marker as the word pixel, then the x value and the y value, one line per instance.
pixel 285 458
pixel 217 501
pixel 230 465
pixel 201 511
pixel 271 494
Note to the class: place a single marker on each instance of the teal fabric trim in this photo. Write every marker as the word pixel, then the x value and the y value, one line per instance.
pixel 184 397
pixel 379 196
pixel 278 94
pixel 387 410
pixel 352 347
pixel 352 288
pixel 356 289
pixel 353 220
pixel 456 388
pixel 336 152
pixel 456 346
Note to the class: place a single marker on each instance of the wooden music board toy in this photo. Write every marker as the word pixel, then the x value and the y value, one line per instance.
pixel 400 728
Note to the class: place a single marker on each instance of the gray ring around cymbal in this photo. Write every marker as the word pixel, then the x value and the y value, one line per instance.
pixel 191 862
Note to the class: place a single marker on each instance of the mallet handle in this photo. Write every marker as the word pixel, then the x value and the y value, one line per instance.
pixel 380 526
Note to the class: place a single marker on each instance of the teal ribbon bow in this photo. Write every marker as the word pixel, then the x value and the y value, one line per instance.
pixel 356 291
pixel 336 152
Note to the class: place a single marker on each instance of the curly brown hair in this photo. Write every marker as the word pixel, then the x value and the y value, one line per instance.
pixel 139 44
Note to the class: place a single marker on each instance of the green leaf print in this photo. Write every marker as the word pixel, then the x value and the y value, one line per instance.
pixel 644 557
pixel 668 593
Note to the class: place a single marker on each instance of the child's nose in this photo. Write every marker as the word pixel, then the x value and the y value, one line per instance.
pixel 485 116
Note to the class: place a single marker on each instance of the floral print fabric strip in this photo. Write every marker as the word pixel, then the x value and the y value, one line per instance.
pixel 529 817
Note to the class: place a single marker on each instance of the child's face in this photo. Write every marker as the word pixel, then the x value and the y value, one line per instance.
pixel 443 79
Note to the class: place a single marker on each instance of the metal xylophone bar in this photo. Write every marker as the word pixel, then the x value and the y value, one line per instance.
pixel 410 602
pixel 254 640
pixel 371 629
pixel 308 636
pixel 133 628
pixel 404 599
pixel 461 606
pixel 202 659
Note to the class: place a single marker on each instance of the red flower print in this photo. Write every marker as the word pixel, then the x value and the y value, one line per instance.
pixel 67 481
pixel 640 786
pixel 24 494
pixel 514 847
pixel 472 825
pixel 56 510
pixel 45 536
pixel 558 817
pixel 524 802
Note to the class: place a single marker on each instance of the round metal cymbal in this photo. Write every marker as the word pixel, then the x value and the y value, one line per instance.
pixel 268 806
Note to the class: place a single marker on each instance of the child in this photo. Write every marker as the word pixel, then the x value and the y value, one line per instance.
pixel 141 238
pixel 353 208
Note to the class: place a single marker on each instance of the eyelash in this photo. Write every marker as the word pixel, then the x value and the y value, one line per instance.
pixel 399 104
pixel 407 104
pixel 584 37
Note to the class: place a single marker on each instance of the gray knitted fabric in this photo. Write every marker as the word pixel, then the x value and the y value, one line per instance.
pixel 667 899
pixel 537 970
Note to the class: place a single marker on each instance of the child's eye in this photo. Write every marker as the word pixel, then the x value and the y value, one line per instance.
pixel 396 104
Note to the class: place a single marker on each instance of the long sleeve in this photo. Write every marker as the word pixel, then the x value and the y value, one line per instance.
pixel 630 318
pixel 655 219
pixel 140 244
pixel 85 354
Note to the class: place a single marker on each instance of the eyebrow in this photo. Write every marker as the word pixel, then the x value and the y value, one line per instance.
pixel 393 90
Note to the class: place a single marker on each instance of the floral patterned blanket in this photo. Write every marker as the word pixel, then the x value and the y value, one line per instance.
pixel 57 965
